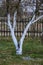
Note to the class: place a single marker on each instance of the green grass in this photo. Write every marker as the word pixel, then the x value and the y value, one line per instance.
pixel 31 47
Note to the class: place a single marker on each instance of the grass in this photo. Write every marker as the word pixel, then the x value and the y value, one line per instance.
pixel 31 47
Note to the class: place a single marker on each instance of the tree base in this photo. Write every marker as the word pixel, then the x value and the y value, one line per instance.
pixel 18 52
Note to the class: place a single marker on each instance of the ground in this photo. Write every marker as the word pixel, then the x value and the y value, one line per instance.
pixel 32 48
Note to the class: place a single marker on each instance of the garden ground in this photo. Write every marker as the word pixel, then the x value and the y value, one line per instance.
pixel 32 48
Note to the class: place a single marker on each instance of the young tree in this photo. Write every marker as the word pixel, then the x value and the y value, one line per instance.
pixel 19 44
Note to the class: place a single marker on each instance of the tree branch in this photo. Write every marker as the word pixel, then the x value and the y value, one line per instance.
pixel 38 18
pixel 14 20
pixel 12 33
pixel 26 29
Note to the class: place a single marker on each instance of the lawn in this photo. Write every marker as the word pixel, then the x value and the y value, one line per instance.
pixel 32 48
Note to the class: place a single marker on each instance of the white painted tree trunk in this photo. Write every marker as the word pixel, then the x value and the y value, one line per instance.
pixel 19 44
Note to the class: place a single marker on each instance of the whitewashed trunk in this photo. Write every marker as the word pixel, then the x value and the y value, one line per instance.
pixel 19 44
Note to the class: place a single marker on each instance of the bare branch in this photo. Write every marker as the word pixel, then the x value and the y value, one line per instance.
pixel 12 33
pixel 14 24
pixel 38 18
pixel 26 29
